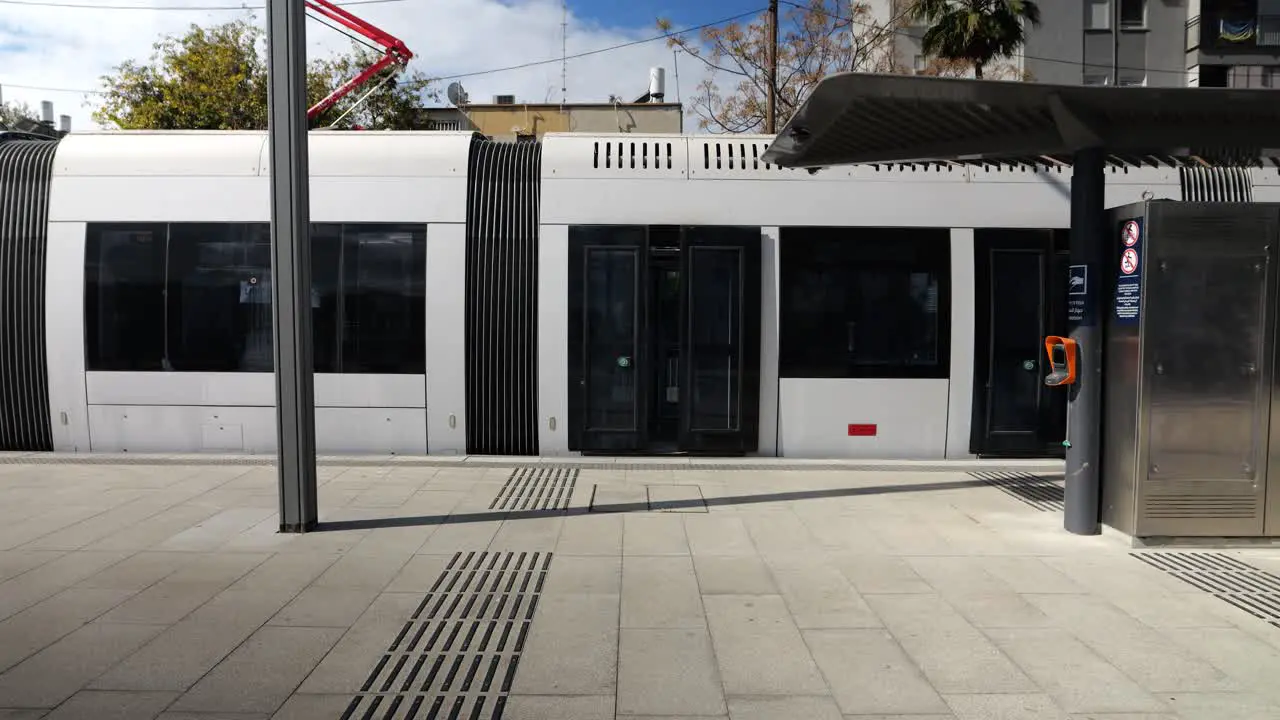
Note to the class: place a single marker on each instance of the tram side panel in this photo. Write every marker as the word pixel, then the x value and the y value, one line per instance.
pixel 171 387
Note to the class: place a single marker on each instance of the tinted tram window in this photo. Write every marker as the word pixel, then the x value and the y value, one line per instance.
pixel 196 297
pixel 865 303
pixel 124 296
pixel 384 302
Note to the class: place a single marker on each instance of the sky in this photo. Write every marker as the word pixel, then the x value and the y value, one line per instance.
pixel 49 51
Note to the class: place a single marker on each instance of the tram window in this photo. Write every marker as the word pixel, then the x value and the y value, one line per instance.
pixel 384 301
pixel 865 303
pixel 196 297
pixel 124 296
pixel 219 310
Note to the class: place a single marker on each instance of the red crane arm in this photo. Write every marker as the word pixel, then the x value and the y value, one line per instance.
pixel 394 52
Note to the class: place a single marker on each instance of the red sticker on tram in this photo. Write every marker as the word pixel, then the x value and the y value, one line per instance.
pixel 862 430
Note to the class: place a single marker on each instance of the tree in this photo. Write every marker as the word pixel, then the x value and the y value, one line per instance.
pixel 12 112
pixel 216 79
pixel 815 39
pixel 974 31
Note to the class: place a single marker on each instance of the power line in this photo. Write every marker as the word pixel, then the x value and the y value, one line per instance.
pixel 894 31
pixel 87 6
pixel 598 51
pixel 490 71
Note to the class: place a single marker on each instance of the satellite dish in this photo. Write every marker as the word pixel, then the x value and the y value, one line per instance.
pixel 456 94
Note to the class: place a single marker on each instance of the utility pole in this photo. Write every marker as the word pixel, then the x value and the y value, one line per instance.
pixel 771 108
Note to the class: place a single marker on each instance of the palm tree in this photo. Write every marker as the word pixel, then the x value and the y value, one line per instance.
pixel 976 31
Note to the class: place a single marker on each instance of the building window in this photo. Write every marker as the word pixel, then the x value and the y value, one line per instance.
pixel 1097 14
pixel 920 63
pixel 1215 76
pixel 1134 78
pixel 865 303
pixel 1133 13
pixel 1097 78
pixel 196 297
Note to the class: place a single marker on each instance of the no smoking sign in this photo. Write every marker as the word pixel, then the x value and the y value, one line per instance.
pixel 1129 262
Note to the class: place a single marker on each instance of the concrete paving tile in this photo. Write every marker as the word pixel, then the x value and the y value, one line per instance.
pixel 1242 656
pixel 536 534
pixel 819 596
pixel 1004 707
pixel 457 535
pixel 1029 575
pixel 559 707
pixel 212 716
pixel 138 572
pixel 879 574
pixel 611 498
pixel 157 528
pixel 680 662
pixel 584 575
pixel 164 603
pixel 31 630
pixel 1078 679
pixel 868 672
pixel 19 593
pixel 373 572
pixel 783 708
pixel 915 716
pixel 419 574
pixel 348 665
pixel 22 714
pixel 759 650
pixel 218 567
pixel 302 706
pixel 654 534
pixel 954 656
pixel 217 530
pixel 660 592
pixel 263 672
pixel 16 562
pixel 184 653
pixel 1152 659
pixel 57 672
pixel 675 498
pixel 984 599
pixel 108 705
pixel 779 533
pixel 733 575
pixel 286 572
pixel 1125 716
pixel 325 607
pixel 1214 706
pixel 718 535
pixel 590 535
pixel 572 647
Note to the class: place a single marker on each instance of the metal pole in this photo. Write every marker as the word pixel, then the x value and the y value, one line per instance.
pixel 771 106
pixel 1084 409
pixel 291 263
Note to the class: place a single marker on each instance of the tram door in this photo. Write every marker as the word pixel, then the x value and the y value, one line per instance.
pixel 1020 293
pixel 664 344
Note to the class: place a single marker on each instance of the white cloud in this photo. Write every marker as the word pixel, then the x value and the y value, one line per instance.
pixel 73 48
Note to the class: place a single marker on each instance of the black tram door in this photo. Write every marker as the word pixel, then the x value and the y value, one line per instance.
pixel 1021 293
pixel 608 381
pixel 720 333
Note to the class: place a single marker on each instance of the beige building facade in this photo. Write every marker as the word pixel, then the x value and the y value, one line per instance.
pixel 512 121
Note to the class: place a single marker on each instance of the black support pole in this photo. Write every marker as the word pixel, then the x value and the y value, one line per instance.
pixel 291 263
pixel 1084 410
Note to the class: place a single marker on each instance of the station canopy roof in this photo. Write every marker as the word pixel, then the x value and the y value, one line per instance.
pixel 862 118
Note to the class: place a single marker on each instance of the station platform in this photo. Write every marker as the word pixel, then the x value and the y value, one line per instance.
pixel 593 588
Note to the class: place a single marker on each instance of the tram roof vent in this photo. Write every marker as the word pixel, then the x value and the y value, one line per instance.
pixel 637 155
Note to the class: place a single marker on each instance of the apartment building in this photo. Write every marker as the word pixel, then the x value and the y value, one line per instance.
pixel 1158 43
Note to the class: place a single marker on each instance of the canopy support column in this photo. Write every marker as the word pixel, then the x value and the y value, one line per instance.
pixel 1084 409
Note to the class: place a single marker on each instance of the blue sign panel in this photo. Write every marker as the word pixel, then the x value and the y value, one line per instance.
pixel 1129 283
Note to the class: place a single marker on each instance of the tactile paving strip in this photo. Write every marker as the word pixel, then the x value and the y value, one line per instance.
pixel 537 487
pixel 1255 591
pixel 457 655
pixel 1040 493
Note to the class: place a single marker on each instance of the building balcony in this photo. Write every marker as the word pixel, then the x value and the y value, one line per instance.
pixel 1232 33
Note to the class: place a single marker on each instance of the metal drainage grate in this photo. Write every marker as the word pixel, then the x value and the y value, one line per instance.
pixel 456 657
pixel 1038 492
pixel 537 487
pixel 1255 591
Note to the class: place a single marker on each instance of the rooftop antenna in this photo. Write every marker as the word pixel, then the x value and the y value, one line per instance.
pixel 564 52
